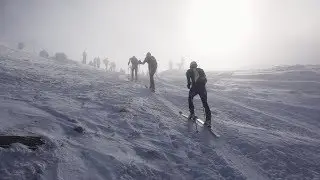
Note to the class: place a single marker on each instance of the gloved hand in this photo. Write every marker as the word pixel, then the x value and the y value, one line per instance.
pixel 188 86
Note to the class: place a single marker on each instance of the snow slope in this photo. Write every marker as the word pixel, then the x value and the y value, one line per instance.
pixel 269 127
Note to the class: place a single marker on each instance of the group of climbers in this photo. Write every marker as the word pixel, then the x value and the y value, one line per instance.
pixel 152 67
pixel 97 62
pixel 196 80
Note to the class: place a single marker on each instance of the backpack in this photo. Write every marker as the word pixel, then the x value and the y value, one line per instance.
pixel 201 79
pixel 134 61
pixel 153 61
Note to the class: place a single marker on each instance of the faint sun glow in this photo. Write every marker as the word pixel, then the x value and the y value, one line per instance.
pixel 221 30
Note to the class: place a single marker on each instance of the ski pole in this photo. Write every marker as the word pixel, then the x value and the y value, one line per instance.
pixel 128 72
pixel 204 113
pixel 196 125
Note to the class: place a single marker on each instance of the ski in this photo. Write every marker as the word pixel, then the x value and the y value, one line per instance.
pixel 201 123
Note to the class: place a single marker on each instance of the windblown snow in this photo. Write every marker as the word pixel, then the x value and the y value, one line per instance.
pixel 268 121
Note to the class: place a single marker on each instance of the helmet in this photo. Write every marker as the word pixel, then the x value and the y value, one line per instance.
pixel 148 54
pixel 193 64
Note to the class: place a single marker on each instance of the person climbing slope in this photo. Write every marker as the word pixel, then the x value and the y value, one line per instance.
pixel 152 66
pixel 98 62
pixel 106 63
pixel 84 57
pixel 134 67
pixel 196 79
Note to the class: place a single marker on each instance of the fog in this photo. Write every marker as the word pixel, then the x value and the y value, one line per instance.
pixel 218 34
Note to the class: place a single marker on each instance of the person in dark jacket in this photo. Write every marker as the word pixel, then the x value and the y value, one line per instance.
pixel 84 57
pixel 112 66
pixel 95 62
pixel 152 66
pixel 196 79
pixel 106 63
pixel 98 62
pixel 134 67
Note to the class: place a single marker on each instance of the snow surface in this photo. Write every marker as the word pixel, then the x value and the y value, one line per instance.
pixel 268 121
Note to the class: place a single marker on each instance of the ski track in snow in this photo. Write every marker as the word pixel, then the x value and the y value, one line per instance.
pixel 269 126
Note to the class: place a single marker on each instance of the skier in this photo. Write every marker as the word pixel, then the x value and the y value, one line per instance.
pixel 106 62
pixel 98 62
pixel 134 67
pixel 196 79
pixel 84 57
pixel 152 66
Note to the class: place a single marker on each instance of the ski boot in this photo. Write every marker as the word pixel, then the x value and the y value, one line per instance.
pixel 207 124
pixel 192 117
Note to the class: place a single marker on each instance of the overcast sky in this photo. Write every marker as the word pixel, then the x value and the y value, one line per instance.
pixel 218 34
